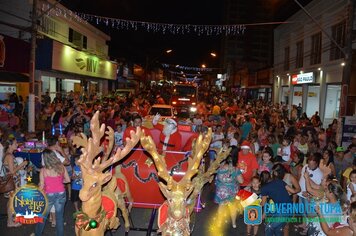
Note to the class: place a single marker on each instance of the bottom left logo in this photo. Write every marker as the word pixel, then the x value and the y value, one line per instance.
pixel 29 204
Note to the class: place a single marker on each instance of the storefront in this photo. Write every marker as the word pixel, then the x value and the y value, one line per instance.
pixel 60 68
pixel 317 91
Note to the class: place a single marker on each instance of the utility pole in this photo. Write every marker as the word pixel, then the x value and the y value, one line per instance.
pixel 31 102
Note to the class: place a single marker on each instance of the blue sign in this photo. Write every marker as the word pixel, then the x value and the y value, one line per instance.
pixel 253 215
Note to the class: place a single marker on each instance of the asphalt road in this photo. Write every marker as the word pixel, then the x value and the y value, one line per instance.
pixel 140 219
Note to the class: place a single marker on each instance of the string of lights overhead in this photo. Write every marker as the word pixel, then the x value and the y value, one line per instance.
pixel 155 27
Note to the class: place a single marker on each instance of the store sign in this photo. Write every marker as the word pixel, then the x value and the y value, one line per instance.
pixel 68 59
pixel 304 78
pixel 7 89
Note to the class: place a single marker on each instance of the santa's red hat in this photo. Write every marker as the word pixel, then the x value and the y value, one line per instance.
pixel 245 145
pixel 246 198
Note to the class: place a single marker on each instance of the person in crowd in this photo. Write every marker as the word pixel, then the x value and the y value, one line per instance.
pixel 297 165
pixel 169 139
pixel 265 163
pixel 286 150
pixel 216 142
pixel 346 175
pixel 246 128
pixel 316 175
pixel 247 163
pixel 11 167
pixel 77 183
pixel 119 134
pixel 340 164
pixel 303 145
pixel 227 183
pixel 53 176
pixel 136 122
pixel 273 144
pixel 328 157
pixel 351 187
pixel 348 229
pixel 255 187
pixel 278 191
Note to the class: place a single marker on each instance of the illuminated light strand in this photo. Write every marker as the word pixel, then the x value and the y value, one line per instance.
pixel 153 27
pixel 164 65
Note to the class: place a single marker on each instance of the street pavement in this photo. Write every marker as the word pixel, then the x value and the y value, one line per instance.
pixel 140 219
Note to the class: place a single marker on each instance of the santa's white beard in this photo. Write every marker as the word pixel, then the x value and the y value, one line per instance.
pixel 168 130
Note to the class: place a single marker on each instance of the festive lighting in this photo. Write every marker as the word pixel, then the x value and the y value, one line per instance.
pixel 199 69
pixel 221 219
pixel 155 27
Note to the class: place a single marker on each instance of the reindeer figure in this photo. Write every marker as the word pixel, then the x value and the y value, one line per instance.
pixel 174 213
pixel 99 207
pixel 203 177
pixel 123 191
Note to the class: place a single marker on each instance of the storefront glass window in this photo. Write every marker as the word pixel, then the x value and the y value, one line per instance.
pixel 313 100
pixel 297 95
pixel 49 85
pixel 332 104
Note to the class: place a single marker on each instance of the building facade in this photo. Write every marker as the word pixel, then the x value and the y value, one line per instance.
pixel 308 67
pixel 71 54
pixel 246 54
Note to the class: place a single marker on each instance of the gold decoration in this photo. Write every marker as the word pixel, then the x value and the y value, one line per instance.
pixel 176 193
pixel 93 161
pixel 148 162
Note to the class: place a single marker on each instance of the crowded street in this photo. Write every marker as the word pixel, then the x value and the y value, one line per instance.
pixel 198 118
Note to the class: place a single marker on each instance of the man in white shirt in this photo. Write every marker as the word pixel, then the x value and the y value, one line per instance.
pixel 316 175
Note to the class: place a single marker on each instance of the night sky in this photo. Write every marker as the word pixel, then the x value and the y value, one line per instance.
pixel 188 50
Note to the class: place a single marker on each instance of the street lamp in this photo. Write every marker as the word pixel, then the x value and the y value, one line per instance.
pixel 203 66
pixel 213 54
pixel 169 51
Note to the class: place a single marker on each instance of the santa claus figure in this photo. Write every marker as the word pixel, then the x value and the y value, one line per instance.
pixel 169 139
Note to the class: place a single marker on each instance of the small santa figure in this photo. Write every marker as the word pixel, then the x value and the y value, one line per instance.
pixel 169 139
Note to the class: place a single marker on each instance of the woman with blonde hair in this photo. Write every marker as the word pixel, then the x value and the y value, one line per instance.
pixel 53 176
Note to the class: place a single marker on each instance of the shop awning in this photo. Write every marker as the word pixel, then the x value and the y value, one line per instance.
pixel 6 76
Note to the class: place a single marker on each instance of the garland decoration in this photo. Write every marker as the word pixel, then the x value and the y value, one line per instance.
pixel 83 221
pixel 155 27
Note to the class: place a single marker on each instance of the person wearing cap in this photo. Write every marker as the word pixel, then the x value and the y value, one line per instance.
pixel 340 163
pixel 169 139
pixel 247 163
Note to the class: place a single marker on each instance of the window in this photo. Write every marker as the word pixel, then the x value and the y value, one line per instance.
pixel 286 58
pixel 48 26
pixel 300 54
pixel 315 56
pixel 338 34
pixel 77 38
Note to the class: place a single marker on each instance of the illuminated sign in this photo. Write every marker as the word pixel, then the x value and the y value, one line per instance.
pixel 68 59
pixel 29 204
pixel 304 78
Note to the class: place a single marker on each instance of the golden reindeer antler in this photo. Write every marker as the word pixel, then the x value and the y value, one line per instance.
pixel 202 178
pixel 200 146
pixel 149 145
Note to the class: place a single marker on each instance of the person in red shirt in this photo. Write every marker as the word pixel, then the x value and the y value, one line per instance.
pixel 169 139
pixel 137 122
pixel 247 163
